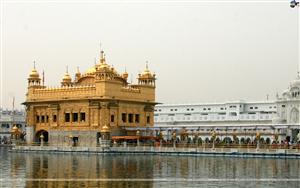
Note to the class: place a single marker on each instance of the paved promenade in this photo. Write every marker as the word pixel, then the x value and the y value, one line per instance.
pixel 233 152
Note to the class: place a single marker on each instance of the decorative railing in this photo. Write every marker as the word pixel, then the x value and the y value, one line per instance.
pixel 269 147
pixel 131 89
pixel 64 92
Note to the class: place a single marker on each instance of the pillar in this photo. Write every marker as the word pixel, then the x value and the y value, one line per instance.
pixel 29 134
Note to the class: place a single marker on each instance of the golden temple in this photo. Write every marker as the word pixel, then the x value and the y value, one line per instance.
pixel 98 99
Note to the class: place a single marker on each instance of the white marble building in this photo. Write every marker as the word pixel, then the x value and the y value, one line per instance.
pixel 288 104
pixel 280 117
pixel 7 120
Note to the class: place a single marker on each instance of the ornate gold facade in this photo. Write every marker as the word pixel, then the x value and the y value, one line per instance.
pixel 79 108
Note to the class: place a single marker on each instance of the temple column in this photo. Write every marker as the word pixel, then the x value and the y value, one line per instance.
pixel 30 130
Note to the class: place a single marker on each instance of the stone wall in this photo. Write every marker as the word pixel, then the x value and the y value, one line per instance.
pixel 75 138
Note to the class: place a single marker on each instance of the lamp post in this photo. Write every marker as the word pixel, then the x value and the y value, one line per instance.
pixel 71 137
pixel 213 137
pixel 196 137
pixel 257 140
pixel 174 139
pixel 276 137
pixel 226 135
pixel 42 139
pixel 245 136
pixel 138 137
pixel 160 138
pixel 234 136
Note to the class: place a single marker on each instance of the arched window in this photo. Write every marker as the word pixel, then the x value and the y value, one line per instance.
pixel 294 115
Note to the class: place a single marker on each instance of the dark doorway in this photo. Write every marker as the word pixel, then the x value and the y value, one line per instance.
pixel 75 141
pixel 38 136
pixel 98 136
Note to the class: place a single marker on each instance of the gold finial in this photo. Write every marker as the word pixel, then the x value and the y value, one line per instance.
pixel 67 71
pixel 43 79
pixel 105 129
pixel 34 72
pixel 102 56
pixel 78 70
pixel 146 65
pixel 125 74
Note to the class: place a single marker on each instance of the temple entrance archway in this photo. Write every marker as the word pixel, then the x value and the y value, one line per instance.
pixel 38 136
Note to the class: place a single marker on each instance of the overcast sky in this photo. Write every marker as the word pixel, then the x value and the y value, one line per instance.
pixel 200 51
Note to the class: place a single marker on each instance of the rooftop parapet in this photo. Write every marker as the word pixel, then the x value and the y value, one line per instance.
pixel 62 92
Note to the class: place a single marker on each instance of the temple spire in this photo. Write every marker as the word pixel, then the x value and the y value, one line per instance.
pixel 43 79
pixel 147 65
pixel 102 57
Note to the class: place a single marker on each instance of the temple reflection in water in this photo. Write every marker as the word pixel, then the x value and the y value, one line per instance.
pixel 66 170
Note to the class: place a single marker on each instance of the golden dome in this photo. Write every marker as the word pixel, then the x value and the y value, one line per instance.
pixel 104 66
pixel 67 77
pixel 146 72
pixel 34 74
pixel 113 70
pixel 125 75
pixel 105 129
pixel 15 129
pixel 91 70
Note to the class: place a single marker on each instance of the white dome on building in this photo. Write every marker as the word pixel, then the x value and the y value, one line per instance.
pixel 286 93
pixel 296 82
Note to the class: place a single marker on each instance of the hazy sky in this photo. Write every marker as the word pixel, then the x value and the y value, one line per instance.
pixel 200 51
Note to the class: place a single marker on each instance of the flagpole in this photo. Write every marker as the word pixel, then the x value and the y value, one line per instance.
pixel 13 112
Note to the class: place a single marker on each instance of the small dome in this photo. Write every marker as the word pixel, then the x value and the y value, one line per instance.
pixel 146 73
pixel 285 92
pixel 105 129
pixel 67 77
pixel 15 129
pixel 114 70
pixel 296 82
pixel 125 75
pixel 92 70
pixel 34 74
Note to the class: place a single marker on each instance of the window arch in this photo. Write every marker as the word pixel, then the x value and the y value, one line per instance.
pixel 294 115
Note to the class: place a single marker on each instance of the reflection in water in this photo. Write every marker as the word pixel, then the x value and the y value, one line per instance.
pixel 77 167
